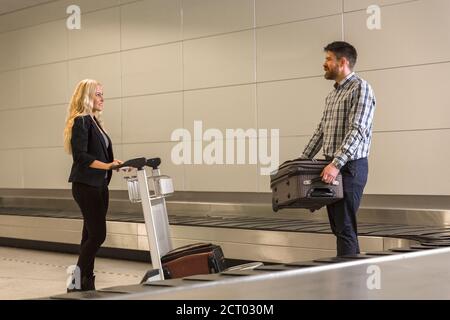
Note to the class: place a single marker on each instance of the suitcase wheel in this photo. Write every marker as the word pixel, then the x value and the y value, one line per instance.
pixel 275 205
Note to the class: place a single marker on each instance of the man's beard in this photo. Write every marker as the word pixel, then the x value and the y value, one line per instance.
pixel 331 74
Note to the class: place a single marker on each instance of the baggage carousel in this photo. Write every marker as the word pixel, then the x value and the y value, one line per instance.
pixel 294 242
pixel 419 275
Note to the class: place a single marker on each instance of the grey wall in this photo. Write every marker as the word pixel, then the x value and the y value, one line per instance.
pixel 233 64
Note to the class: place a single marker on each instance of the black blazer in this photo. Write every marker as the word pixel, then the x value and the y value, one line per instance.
pixel 88 145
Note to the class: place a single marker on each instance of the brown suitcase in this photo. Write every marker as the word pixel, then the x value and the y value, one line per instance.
pixel 198 258
pixel 187 266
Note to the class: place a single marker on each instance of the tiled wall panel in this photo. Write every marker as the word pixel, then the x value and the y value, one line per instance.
pixel 249 64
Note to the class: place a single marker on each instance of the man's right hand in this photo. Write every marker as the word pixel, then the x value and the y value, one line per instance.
pixel 329 173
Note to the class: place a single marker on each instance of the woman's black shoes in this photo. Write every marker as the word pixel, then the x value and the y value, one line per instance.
pixel 73 290
pixel 87 284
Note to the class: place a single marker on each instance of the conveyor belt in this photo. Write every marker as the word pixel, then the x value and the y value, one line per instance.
pixel 422 234
pixel 429 237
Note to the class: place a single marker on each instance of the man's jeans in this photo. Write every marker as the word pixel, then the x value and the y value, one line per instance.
pixel 342 214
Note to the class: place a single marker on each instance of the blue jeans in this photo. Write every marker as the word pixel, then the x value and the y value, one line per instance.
pixel 342 214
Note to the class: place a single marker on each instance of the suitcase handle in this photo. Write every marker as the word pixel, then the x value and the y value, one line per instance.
pixel 321 193
pixel 303 160
pixel 318 179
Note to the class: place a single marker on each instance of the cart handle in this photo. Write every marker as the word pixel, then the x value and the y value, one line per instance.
pixel 153 162
pixel 137 163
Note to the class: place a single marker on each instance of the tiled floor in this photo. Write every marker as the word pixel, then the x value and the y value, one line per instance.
pixel 29 274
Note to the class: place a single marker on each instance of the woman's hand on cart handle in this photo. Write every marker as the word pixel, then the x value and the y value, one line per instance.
pixel 115 165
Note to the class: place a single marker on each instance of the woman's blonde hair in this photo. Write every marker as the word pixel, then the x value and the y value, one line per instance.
pixel 81 103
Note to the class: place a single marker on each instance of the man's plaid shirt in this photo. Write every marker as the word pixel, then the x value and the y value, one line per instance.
pixel 345 131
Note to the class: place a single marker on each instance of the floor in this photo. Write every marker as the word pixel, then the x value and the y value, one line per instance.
pixel 29 274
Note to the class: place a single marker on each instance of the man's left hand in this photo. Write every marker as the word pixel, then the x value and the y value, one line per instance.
pixel 329 173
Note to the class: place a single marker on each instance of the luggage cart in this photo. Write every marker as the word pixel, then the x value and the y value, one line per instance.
pixel 155 214
pixel 153 207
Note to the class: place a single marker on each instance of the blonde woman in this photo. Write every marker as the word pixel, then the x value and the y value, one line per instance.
pixel 91 148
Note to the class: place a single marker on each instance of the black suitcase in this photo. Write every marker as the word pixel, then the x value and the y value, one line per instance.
pixel 193 259
pixel 297 184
